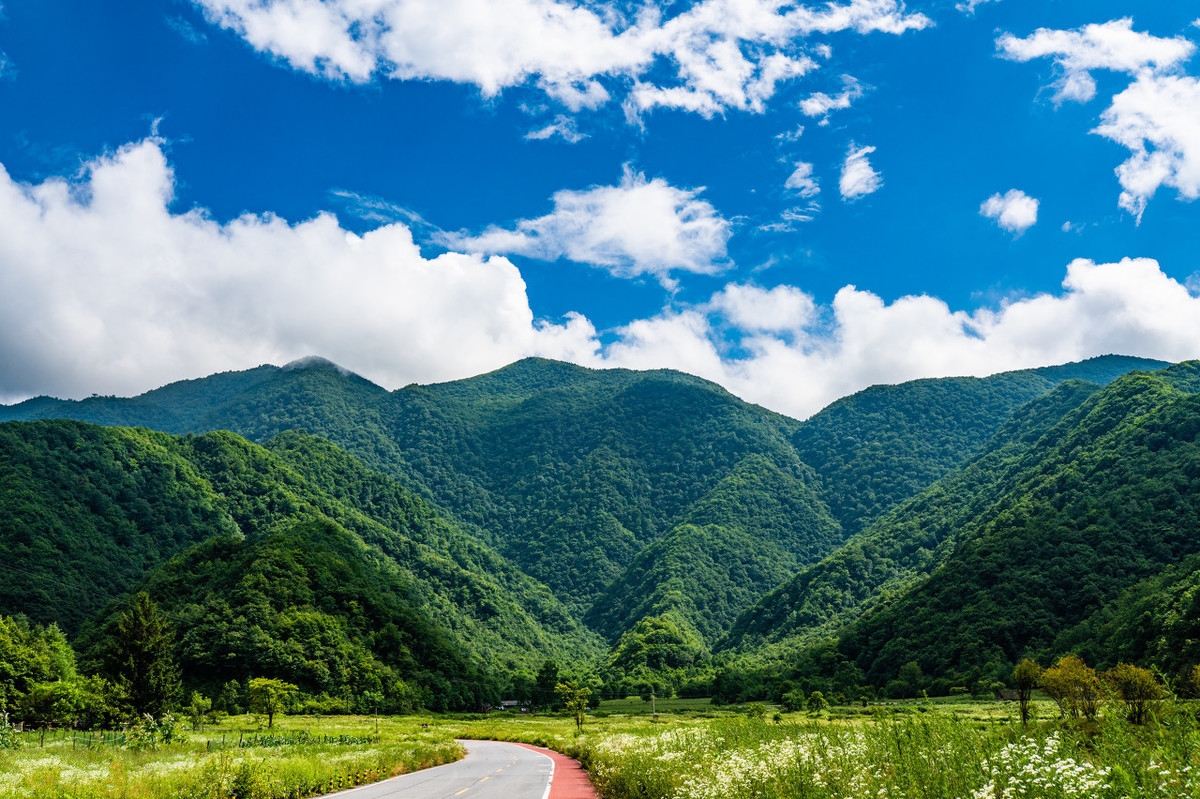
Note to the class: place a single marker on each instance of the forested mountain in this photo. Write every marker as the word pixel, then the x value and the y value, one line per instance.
pixel 630 495
pixel 883 445
pixel 1065 534
pixel 92 511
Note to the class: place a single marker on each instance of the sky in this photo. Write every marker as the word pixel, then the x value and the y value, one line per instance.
pixel 794 200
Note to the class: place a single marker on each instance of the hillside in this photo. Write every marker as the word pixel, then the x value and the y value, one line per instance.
pixel 626 493
pixel 1037 536
pixel 885 444
pixel 85 497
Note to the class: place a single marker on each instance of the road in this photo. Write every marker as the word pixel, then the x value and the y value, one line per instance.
pixel 491 770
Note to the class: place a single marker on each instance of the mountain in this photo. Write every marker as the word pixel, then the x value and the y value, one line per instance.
pixel 626 493
pixel 97 511
pixel 1076 513
pixel 884 444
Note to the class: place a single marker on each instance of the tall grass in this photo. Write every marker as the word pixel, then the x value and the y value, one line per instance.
pixel 279 766
pixel 927 757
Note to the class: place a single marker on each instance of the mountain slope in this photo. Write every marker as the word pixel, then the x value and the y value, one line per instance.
pixel 903 547
pixel 885 444
pixel 1111 496
pixel 752 531
pixel 79 493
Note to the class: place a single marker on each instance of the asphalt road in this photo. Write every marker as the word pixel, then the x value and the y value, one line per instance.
pixel 491 770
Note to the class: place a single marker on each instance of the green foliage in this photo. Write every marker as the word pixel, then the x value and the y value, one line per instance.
pixel 197 709
pixel 574 698
pixel 1026 676
pixel 1137 689
pixel 270 697
pixel 139 657
pixel 655 644
pixel 1074 687
pixel 31 658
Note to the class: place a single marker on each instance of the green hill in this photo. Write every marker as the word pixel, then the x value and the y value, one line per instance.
pixel 1106 498
pixel 885 444
pixel 626 493
pixel 97 511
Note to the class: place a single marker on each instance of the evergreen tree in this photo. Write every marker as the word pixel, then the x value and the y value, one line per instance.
pixel 141 658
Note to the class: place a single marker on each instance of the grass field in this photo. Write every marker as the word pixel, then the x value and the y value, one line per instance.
pixel 940 749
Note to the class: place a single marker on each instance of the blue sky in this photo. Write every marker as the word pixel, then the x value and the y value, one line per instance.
pixel 796 201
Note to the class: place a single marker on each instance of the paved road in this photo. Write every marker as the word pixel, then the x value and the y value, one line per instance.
pixel 491 770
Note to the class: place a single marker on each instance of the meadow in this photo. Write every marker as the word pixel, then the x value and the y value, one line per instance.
pixel 941 749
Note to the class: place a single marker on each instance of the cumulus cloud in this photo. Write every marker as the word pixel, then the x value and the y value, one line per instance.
pixel 1157 117
pixel 1014 210
pixel 1111 46
pixel 802 181
pixel 859 178
pixel 722 53
pixel 821 105
pixel 799 356
pixel 638 227
pixel 106 290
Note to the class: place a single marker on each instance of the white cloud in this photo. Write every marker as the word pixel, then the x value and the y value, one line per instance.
pixel 635 228
pixel 107 291
pixel 563 127
pixel 859 178
pixel 969 6
pixel 1111 46
pixel 1014 211
pixel 724 53
pixel 802 181
pixel 1158 119
pixel 801 356
pixel 821 105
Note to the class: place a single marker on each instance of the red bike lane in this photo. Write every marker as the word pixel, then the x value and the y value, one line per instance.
pixel 570 780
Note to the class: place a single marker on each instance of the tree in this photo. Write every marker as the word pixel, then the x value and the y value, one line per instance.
pixel 547 683
pixel 1137 688
pixel 230 698
pixel 142 660
pixel 51 704
pixel 817 703
pixel 1074 687
pixel 270 697
pixel 197 709
pixel 1026 676
pixel 575 698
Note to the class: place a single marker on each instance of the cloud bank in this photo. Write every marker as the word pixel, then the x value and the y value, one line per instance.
pixel 721 54
pixel 106 290
pixel 1157 118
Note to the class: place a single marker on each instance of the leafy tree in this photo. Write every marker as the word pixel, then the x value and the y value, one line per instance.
pixel 1026 676
pixel 229 699
pixel 1074 687
pixel 574 698
pixel 547 685
pixel 816 703
pixel 197 709
pixel 270 697
pixel 1137 688
pixel 52 704
pixel 141 658
pixel 793 701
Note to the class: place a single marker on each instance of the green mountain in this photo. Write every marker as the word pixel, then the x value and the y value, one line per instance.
pixel 1069 522
pixel 885 444
pixel 629 494
pixel 97 511
pixel 906 545
pixel 749 533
